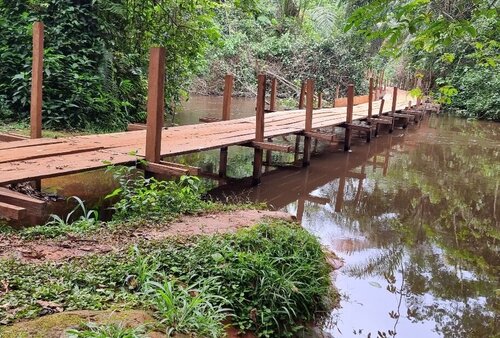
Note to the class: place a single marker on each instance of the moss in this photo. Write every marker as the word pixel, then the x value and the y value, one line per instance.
pixel 55 325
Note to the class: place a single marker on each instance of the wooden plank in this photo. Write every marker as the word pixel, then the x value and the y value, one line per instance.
pixel 11 137
pixel 156 103
pixel 36 82
pixel 191 170
pixel 33 205
pixel 10 211
pixel 162 169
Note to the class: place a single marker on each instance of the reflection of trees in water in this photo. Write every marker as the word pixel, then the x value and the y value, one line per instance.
pixel 435 219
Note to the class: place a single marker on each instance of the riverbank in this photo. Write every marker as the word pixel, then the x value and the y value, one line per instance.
pixel 254 269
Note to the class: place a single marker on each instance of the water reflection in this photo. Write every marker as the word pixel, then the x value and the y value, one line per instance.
pixel 415 217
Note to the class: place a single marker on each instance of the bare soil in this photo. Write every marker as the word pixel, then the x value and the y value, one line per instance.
pixel 72 247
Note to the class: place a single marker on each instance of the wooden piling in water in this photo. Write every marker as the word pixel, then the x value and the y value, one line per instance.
pixel 259 129
pixel 350 108
pixel 226 116
pixel 36 81
pixel 298 138
pixel 306 159
pixel 156 104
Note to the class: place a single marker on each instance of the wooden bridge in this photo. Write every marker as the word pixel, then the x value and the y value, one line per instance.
pixel 38 158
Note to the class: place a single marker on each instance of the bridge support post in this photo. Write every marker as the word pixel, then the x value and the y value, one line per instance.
pixel 36 81
pixel 298 138
pixel 274 92
pixel 156 104
pixel 393 108
pixel 308 123
pixel 370 98
pixel 226 116
pixel 350 108
pixel 259 129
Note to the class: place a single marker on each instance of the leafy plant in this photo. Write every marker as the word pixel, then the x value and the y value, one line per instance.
pixel 91 330
pixel 57 226
pixel 187 309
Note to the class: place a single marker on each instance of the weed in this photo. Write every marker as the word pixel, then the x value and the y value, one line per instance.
pixel 56 226
pixel 187 309
pixel 91 330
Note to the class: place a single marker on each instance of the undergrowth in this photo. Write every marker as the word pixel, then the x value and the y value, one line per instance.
pixel 269 279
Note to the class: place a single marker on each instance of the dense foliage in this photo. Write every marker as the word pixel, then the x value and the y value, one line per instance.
pixel 452 46
pixel 270 278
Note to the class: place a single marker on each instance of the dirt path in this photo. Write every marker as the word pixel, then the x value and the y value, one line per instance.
pixel 71 247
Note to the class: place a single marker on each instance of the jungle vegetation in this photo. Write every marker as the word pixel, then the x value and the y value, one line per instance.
pixel 96 52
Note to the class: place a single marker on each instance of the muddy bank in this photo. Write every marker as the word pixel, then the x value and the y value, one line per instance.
pixel 71 247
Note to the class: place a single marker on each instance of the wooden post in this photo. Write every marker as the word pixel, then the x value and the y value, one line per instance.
pixel 370 98
pixel 337 92
pixel 298 138
pixel 308 123
pixel 226 115
pixel 320 100
pixel 394 100
pixel 259 128
pixel 350 108
pixel 156 104
pixel 37 81
pixel 302 95
pixel 274 89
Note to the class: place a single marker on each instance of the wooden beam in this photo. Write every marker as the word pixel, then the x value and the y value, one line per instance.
pixel 370 98
pixel 274 92
pixel 273 146
pixel 37 81
pixel 194 171
pixel 136 126
pixel 322 136
pixel 162 169
pixel 306 159
pixel 10 211
pixel 259 128
pixel 156 104
pixel 11 137
pixel 32 205
pixel 350 109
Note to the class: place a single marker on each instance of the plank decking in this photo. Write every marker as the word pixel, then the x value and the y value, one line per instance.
pixel 27 160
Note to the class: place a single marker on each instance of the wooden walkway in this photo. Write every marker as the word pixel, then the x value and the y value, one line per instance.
pixel 42 158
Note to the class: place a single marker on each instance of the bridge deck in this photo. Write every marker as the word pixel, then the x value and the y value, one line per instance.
pixel 41 158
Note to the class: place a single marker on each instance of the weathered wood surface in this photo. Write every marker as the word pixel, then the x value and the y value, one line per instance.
pixel 41 158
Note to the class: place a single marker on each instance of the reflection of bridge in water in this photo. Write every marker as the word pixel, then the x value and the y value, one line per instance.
pixel 287 185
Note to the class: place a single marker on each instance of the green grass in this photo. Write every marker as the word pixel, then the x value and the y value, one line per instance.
pixel 91 330
pixel 22 128
pixel 272 279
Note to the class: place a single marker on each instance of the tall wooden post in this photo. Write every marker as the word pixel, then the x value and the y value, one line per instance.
pixel 350 109
pixel 274 90
pixel 298 138
pixel 370 98
pixel 393 108
pixel 156 104
pixel 259 128
pixel 37 81
pixel 308 123
pixel 320 100
pixel 226 115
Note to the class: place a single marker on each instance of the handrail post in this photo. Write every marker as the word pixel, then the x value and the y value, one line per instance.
pixel 274 90
pixel 298 138
pixel 156 104
pixel 226 116
pixel 259 128
pixel 350 109
pixel 393 108
pixel 308 122
pixel 37 81
pixel 370 98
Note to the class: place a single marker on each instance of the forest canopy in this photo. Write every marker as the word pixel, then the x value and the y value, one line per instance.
pixel 96 52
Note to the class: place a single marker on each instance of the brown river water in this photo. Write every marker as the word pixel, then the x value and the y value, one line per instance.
pixel 414 215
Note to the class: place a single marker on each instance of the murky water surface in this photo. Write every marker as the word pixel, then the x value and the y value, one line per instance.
pixel 414 215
